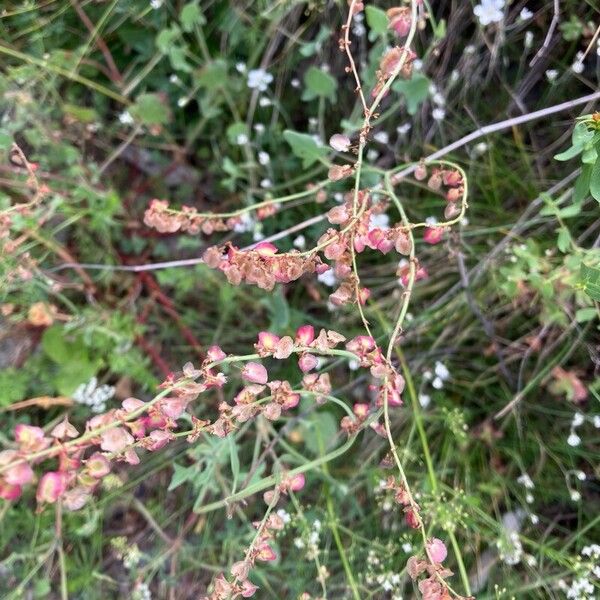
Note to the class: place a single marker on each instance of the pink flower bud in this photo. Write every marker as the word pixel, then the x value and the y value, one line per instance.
pixel 433 235
pixel 308 362
pixel 255 373
pixel 97 465
pixel 131 457
pixel 420 172
pixel 266 249
pixel 51 487
pixel 9 491
pixel 115 440
pixel 214 354
pixel 296 483
pixel 337 215
pixel 19 474
pixel 305 335
pixel 339 142
pixel 272 411
pixel 240 569
pixel 157 440
pixel 437 550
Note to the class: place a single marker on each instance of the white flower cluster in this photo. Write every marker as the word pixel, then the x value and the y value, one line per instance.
pixel 310 541
pixel 582 588
pixel 510 549
pixel 93 395
pixel 259 79
pixel 578 421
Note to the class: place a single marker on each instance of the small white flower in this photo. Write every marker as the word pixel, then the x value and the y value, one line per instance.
pixel 525 481
pixel 284 515
pixel 259 79
pixel 528 42
pixel 438 99
pixel 264 101
pixel 573 439
pixel 182 101
pixel 438 383
pixel 534 519
pixel 424 400
pixel 259 128
pixel 240 67
pixel 125 118
pixel 417 64
pixel 441 370
pixel 489 11
pixel 241 139
pixel 264 158
pixel 353 364
pixel 551 75
pixel 300 242
pixel 438 114
pixel 382 137
pixel 525 14
pixel 577 66
pixel 295 83
pixel 155 4
pixel 431 221
pixel 174 79
pixel 427 375
pixel 596 421
pixel 480 148
pixel 246 223
pixel 407 547
pixel 266 183
pixel 580 475
pixel 327 278
pixel 578 420
pixel 529 498
pixel 575 496
pixel 403 129
pixel 470 49
pixel 338 197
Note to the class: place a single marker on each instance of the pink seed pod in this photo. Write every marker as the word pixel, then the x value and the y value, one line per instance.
pixel 338 215
pixel 420 172
pixel 51 487
pixel 308 362
pixel 240 569
pixel 9 491
pixel 248 589
pixel 265 249
pixel 285 346
pixel 131 404
pixel 214 354
pixel 267 342
pixel 76 498
pixel 265 553
pixel 305 335
pixel 433 235
pixel 296 483
pixel 115 440
pixel 64 430
pixel 30 438
pixel 340 142
pixel 255 373
pixel 97 465
pixel 19 474
pixel 361 410
pixel 437 550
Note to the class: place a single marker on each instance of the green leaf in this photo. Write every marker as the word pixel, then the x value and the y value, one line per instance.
pixel 150 109
pixel 564 239
pixel 582 185
pixel 305 147
pixel 589 156
pixel 319 84
pixel 190 16
pixel 586 314
pixel 181 475
pixel 178 60
pixel 83 114
pixel 166 38
pixel 415 91
pixel 569 153
pixel 595 181
pixel 213 76
pixel 590 281
pixel 377 20
pixel 319 432
pixel 6 140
